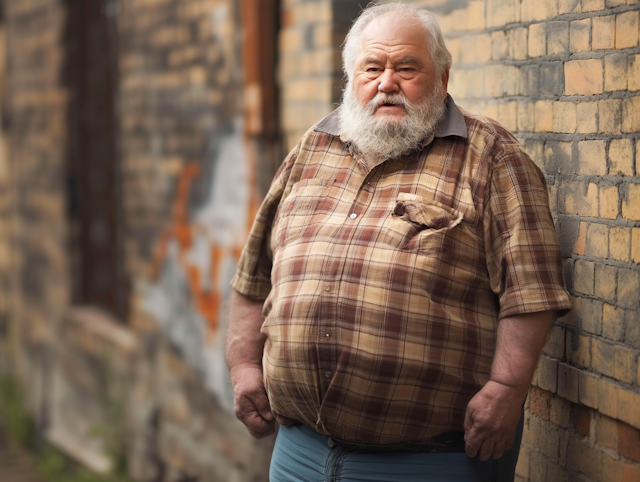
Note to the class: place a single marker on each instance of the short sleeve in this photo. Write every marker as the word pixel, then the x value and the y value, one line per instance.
pixel 253 271
pixel 522 249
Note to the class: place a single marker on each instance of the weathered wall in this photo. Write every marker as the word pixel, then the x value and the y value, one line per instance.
pixel 565 77
pixel 33 193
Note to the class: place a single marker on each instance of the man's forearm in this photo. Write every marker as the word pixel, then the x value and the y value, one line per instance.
pixel 519 342
pixel 493 413
pixel 245 342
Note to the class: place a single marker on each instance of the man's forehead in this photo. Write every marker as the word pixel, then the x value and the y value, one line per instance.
pixel 394 27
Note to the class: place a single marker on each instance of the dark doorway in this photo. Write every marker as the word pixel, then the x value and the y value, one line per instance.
pixel 94 179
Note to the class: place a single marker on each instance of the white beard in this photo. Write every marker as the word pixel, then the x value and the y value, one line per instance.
pixel 386 137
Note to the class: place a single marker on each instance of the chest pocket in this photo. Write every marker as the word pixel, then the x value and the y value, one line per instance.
pixel 306 204
pixel 419 223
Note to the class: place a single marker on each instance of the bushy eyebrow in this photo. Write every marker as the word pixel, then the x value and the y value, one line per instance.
pixel 407 60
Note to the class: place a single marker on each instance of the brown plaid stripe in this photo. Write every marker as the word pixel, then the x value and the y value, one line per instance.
pixel 384 288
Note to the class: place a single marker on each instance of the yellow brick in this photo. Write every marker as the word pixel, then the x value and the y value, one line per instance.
pixel 609 202
pixel 631 115
pixel 547 374
pixel 581 241
pixel 619 243
pixel 625 365
pixel 579 34
pixel 568 382
pixel 499 45
pixel 543 112
pixel 607 398
pixel 637 155
pixel 583 277
pixel 577 349
pixel 635 245
pixel 634 73
pixel 501 12
pixel 627 30
pixel 591 158
pixel 631 203
pixel 613 320
pixel 291 40
pixel 605 284
pixel 628 287
pixel 537 44
pixel 628 403
pixel 502 80
pixel 557 38
pixel 592 5
pixel 597 241
pixel 476 19
pixel 621 157
pixel 569 6
pixel 522 467
pixel 525 116
pixel 564 117
pixel 518 43
pixel 613 360
pixel 537 10
pixel 507 115
pixel 467 83
pixel 588 389
pixel 603 32
pixel 579 202
pixel 475 48
pixel 583 77
pixel 615 72
pixel 322 35
pixel 587 114
pixel 610 120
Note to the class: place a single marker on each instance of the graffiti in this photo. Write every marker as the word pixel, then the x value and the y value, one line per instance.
pixel 195 260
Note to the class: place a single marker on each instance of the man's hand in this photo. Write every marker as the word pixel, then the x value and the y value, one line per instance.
pixel 493 414
pixel 491 421
pixel 250 400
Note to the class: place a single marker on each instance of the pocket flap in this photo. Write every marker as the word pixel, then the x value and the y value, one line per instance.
pixel 430 214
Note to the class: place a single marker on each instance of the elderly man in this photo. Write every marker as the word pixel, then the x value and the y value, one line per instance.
pixel 399 280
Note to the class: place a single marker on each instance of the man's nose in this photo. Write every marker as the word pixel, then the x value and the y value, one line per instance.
pixel 387 82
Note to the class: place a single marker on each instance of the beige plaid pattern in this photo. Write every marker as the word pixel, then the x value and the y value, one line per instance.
pixel 384 288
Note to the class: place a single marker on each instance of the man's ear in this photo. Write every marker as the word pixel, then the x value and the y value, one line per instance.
pixel 445 81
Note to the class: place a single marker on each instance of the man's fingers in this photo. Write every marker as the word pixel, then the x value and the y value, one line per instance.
pixel 261 403
pixel 498 450
pixel 486 450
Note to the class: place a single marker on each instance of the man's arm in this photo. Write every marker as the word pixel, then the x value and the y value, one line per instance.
pixel 494 412
pixel 245 344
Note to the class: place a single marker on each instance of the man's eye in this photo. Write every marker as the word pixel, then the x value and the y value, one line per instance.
pixel 373 69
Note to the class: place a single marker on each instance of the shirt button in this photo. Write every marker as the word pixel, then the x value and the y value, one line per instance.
pixel 327 334
pixel 327 374
pixel 327 288
pixel 353 215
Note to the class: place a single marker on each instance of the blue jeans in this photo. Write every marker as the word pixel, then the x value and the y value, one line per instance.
pixel 302 455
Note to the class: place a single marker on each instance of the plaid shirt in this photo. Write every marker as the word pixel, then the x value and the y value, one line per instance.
pixel 384 287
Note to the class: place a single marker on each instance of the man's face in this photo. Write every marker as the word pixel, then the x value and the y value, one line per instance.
pixel 394 59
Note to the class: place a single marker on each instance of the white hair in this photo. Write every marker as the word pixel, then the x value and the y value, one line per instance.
pixel 440 56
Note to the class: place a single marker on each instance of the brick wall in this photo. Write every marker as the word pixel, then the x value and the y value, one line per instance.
pixel 33 190
pixel 564 76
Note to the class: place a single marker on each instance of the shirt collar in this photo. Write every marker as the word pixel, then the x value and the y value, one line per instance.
pixel 452 124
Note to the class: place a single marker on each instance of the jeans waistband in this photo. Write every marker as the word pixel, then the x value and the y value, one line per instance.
pixel 445 443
